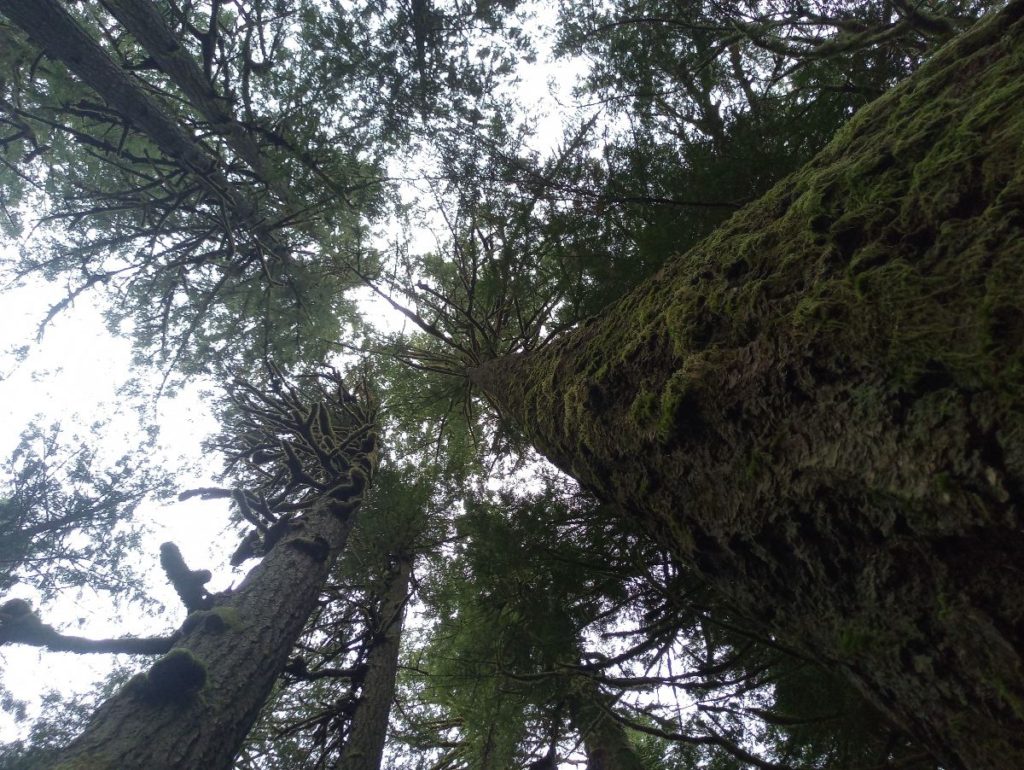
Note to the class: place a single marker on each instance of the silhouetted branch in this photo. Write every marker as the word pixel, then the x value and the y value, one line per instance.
pixel 19 624
pixel 188 583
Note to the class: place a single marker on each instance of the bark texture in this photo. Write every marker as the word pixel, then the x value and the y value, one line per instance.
pixel 821 407
pixel 195 705
pixel 604 739
pixel 364 748
pixel 243 645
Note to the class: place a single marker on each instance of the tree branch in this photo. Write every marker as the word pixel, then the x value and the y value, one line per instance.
pixel 20 625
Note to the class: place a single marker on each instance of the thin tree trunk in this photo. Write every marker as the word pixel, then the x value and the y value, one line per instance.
pixel 364 748
pixel 142 18
pixel 821 408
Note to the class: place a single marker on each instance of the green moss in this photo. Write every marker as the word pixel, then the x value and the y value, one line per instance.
pixel 217 620
pixel 177 676
pixel 359 478
pixel 644 408
pixel 681 536
pixel 680 402
pixel 854 641
pixel 227 617
pixel 1015 703
pixel 757 464
pixel 137 684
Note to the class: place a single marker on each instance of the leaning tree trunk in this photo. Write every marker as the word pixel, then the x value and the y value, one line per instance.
pixel 821 408
pixel 48 23
pixel 196 704
pixel 364 748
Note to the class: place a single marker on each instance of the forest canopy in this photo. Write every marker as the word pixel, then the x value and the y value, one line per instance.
pixel 695 440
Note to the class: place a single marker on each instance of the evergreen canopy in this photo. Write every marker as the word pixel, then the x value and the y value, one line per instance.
pixel 773 349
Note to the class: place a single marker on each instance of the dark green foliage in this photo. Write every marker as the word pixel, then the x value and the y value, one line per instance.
pixel 717 103
pixel 525 615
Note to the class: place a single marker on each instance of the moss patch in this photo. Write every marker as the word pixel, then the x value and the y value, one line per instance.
pixel 177 676
pixel 216 621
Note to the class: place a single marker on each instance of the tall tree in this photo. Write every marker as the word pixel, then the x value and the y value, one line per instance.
pixel 776 406
pixel 302 460
pixel 818 407
pixel 205 253
pixel 364 747
pixel 331 708
pixel 221 186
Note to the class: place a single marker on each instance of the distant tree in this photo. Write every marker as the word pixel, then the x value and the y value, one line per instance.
pixel 66 517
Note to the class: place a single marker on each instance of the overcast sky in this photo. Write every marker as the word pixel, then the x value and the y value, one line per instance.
pixel 72 376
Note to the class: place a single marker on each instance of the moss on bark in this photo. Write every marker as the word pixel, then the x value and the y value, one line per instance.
pixel 821 407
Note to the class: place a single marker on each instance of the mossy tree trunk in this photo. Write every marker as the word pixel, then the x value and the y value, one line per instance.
pixel 243 650
pixel 605 742
pixel 364 748
pixel 196 704
pixel 821 408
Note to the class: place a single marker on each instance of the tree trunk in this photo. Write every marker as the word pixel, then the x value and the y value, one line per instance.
pixel 820 408
pixel 143 19
pixel 364 748
pixel 196 704
pixel 50 26
pixel 604 740
pixel 243 643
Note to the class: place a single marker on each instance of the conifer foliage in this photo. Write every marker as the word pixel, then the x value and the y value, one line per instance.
pixel 784 527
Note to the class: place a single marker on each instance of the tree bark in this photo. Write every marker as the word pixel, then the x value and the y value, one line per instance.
pixel 820 408
pixel 604 740
pixel 364 748
pixel 196 704
pixel 243 653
